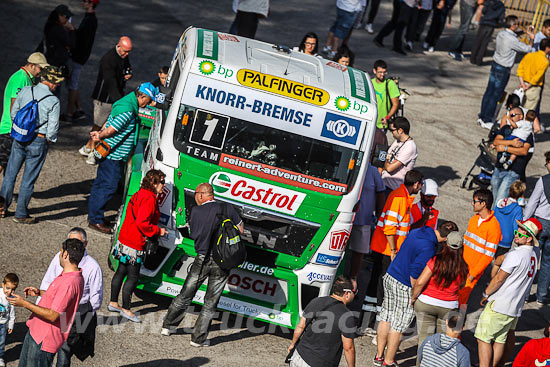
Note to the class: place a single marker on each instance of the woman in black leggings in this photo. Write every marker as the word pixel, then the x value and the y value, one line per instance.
pixel 140 223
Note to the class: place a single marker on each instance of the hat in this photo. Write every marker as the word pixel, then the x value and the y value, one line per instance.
pixel 454 240
pixel 63 10
pixel 38 58
pixel 533 227
pixel 429 187
pixel 51 74
pixel 95 2
pixel 148 89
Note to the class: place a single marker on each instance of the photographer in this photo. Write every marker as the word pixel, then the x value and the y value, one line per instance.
pixel 114 71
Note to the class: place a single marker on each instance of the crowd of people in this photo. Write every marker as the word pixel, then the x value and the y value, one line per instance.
pixel 423 268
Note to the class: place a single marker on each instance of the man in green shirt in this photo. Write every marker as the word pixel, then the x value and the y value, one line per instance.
pixel 21 78
pixel 387 94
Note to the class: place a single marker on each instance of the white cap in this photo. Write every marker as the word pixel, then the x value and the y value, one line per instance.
pixel 429 187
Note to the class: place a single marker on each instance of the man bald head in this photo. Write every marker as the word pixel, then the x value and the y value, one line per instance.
pixel 204 193
pixel 124 46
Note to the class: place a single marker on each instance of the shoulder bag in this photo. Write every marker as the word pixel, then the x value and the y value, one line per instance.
pixel 308 322
pixel 103 149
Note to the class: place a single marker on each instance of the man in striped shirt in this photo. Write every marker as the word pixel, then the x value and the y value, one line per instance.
pixel 119 133
pixel 445 349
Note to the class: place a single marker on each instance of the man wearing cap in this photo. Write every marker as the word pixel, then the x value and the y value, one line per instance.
pixel 397 309
pixel 33 153
pixel 119 134
pixel 506 294
pixel 423 213
pixel 114 71
pixel 21 78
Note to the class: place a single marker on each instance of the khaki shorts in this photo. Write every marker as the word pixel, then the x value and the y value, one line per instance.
pixel 101 112
pixel 494 326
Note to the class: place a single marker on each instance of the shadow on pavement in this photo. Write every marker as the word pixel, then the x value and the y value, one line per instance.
pixel 73 188
pixel 440 174
pixel 191 362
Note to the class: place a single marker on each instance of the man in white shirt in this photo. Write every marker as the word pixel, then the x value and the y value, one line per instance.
pixel 506 294
pixel 401 156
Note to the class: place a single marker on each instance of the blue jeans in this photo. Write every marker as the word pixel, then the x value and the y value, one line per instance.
pixel 343 23
pixel 466 15
pixel 64 355
pixel 498 78
pixel 32 355
pixel 103 189
pixel 33 154
pixel 544 272
pixel 501 182
pixel 200 270
pixel 3 333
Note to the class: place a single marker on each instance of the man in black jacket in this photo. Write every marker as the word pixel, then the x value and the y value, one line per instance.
pixel 114 71
pixel 85 35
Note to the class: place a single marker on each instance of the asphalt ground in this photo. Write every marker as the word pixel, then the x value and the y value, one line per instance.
pixel 443 106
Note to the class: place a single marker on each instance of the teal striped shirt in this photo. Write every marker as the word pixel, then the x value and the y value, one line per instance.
pixel 123 140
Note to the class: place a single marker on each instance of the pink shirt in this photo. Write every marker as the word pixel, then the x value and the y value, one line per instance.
pixel 62 296
pixel 405 153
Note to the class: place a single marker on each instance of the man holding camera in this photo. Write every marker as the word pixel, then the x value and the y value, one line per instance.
pixel 114 71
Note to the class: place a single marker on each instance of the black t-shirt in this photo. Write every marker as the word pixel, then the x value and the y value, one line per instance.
pixel 521 160
pixel 321 343
pixel 203 221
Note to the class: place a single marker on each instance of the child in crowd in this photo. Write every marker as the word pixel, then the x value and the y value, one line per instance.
pixel 521 129
pixel 445 349
pixel 7 311
pixel 162 76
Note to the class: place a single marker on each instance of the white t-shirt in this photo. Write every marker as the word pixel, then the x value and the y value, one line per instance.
pixel 349 5
pixel 521 263
pixel 405 153
pixel 524 129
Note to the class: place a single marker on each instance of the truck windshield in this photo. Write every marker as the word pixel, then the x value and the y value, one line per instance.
pixel 241 143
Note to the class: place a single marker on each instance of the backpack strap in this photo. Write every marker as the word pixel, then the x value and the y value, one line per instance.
pixel 37 102
pixel 546 186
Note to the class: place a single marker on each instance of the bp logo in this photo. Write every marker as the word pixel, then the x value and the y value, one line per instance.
pixel 220 183
pixel 207 67
pixel 342 103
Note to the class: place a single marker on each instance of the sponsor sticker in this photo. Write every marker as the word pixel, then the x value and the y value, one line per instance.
pixel 161 198
pixel 359 84
pixel 207 44
pixel 257 268
pixel 337 66
pixel 281 175
pixel 228 37
pixel 283 87
pixel 256 193
pixel 341 128
pixel 327 259
pixel 311 276
pixel 338 240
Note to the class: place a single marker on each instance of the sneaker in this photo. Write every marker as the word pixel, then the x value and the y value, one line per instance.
pixel 197 345
pixel 503 158
pixel 326 50
pixel 485 125
pixel 2 363
pixel 378 361
pixel 85 151
pixel 369 28
pixel 425 45
pixel 167 332
pixel 331 54
pixel 366 332
pixel 25 220
pixel 455 55
pixel 409 46
pixel 78 115
pixel 394 364
pixel 91 159
pixel 431 49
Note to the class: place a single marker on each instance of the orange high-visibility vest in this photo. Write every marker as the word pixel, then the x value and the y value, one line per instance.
pixel 394 220
pixel 480 245
pixel 416 214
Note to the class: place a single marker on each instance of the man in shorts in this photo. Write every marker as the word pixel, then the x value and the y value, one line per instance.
pixel 346 12
pixel 506 294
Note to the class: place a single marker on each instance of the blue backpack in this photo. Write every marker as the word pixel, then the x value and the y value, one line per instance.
pixel 25 124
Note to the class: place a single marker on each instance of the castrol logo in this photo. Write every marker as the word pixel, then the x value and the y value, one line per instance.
pixel 256 193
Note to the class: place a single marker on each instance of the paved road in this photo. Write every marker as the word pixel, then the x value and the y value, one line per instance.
pixel 445 100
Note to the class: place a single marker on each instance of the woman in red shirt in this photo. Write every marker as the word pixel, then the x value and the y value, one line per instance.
pixel 140 223
pixel 444 275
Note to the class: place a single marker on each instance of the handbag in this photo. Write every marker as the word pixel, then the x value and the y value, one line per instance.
pixel 308 322
pixel 151 243
pixel 103 149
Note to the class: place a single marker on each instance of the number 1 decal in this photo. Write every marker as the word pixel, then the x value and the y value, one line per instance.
pixel 210 128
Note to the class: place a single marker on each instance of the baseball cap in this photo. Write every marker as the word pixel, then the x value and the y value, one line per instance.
pixel 454 240
pixel 533 227
pixel 63 10
pixel 51 74
pixel 38 58
pixel 149 89
pixel 429 187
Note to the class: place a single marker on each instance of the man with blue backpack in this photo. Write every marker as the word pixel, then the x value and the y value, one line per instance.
pixel 35 116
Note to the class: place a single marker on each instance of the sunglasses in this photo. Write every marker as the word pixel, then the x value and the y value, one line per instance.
pixel 350 290
pixel 163 182
pixel 514 114
pixel 477 201
pixel 520 235
pixel 392 130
